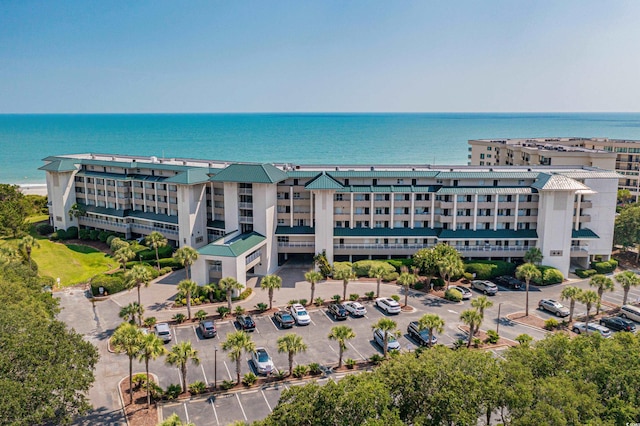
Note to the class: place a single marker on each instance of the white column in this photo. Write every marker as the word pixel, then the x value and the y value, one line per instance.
pixel 391 197
pixel 117 198
pixel 106 194
pixel 455 212
pixel 144 198
pixel 515 220
pixel 155 194
pixel 433 210
pixel 311 209
pixel 169 201
pixel 291 205
pixel 95 190
pixel 413 208
pixel 475 212
pixel 371 211
pixel 495 215
pixel 351 210
pixel 577 225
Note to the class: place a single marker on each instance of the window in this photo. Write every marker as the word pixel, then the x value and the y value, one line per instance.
pixel 296 195
pixel 400 181
pixel 339 224
pixel 283 239
pixel 338 197
pixel 295 182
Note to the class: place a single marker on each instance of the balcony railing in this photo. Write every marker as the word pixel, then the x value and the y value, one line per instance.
pixel 491 248
pixel 382 246
pixel 297 244
pixel 252 257
pixel 245 191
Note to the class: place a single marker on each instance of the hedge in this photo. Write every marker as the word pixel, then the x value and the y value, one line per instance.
pixel 44 229
pixel 550 275
pixel 585 273
pixel 453 295
pixel 111 283
pixel 487 269
pixel 362 267
pixel 399 263
pixel 605 267
pixel 337 266
pixel 391 276
pixel 150 254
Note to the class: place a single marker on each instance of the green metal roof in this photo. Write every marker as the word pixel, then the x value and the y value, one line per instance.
pixel 101 175
pixel 555 182
pixel 60 165
pixel 583 234
pixel 218 224
pixel 191 176
pixel 295 230
pixel 323 181
pixel 235 247
pixel 105 211
pixel 385 189
pixel 132 164
pixel 250 173
pixel 586 174
pixel 386 232
pixel 397 174
pixel 487 175
pixel 459 190
pixel 488 234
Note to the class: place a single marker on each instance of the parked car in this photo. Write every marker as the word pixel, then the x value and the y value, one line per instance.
pixel 356 309
pixel 420 336
pixel 618 324
pixel 300 314
pixel 554 307
pixel 207 329
pixel 392 342
pixel 284 319
pixel 163 331
pixel 580 327
pixel 509 282
pixel 388 305
pixel 631 312
pixel 262 361
pixel 487 287
pixel 246 323
pixel 338 311
pixel 466 293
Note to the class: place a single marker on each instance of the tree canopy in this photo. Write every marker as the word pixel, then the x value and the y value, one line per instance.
pixel 14 209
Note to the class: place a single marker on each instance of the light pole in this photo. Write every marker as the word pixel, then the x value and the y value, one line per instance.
pixel 215 368
pixel 498 325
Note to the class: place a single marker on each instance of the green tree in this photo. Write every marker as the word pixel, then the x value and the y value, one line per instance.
pixel 527 272
pixel 180 355
pixel 188 288
pixel 481 303
pixel 127 339
pixel 589 298
pixel 123 255
pixel 136 277
pixel 291 344
pixel 624 196
pixel 626 231
pixel 13 210
pixel 151 347
pixel 28 243
pixel 431 322
pixel 406 280
pixel 271 283
pixel 602 283
pixel 228 285
pixel 156 240
pixel 344 275
pixel 473 319
pixel 117 244
pixel 174 420
pixel 449 266
pixel 377 272
pixel 533 255
pixel 572 294
pixel 76 211
pixel 131 311
pixel 388 328
pixel 236 343
pixel 341 333
pixel 627 279
pixel 312 278
pixel 186 256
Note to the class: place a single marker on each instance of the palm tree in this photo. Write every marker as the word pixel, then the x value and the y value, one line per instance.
pixel 155 240
pixel 533 255
pixel 341 333
pixel 603 284
pixel 291 343
pixel 627 279
pixel 151 347
pixel 123 255
pixel 228 285
pixel 188 287
pixel 473 319
pixel 174 420
pixel 270 283
pixel 572 294
pixel 131 311
pixel 388 327
pixel 209 289
pixel 377 272
pixel 481 303
pixel 137 276
pixel 313 277
pixel 186 256
pixel 431 322
pixel 527 272
pixel 345 275
pixel 236 343
pixel 180 354
pixel 406 280
pixel 28 243
pixel 450 265
pixel 127 339
pixel 589 297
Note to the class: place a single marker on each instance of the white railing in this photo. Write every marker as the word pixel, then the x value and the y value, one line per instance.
pixel 491 248
pixel 297 244
pixel 252 257
pixel 245 191
pixel 579 248
pixel 245 205
pixel 381 246
pixel 246 219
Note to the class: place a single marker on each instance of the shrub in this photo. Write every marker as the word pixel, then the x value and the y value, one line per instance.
pixel 292 302
pixel 392 276
pixel 246 293
pixel 280 374
pixel 419 285
pixel 173 391
pixel 83 234
pixel 399 263
pixel 338 266
pixel 93 234
pixel 139 380
pixel 354 296
pixel 103 235
pixel 585 273
pixel 249 379
pixel 200 315
pixel 437 283
pixel 492 337
pixel 111 283
pixel 300 370
pixel 149 322
pixel 262 306
pixel 487 269
pixel 179 318
pixel 72 233
pixel 524 339
pixel 370 295
pixel 467 276
pixel 336 298
pixel 350 363
pixel 552 276
pixel 322 263
pixel 239 310
pixel 453 295
pixel 315 369
pixel 165 270
pixel 476 342
pixel 362 267
pixel 196 388
pixel 605 267
pixel 155 390
pixel 376 359
pixel 551 324
pixel 395 297
pixel 145 253
pixel 318 301
pixel 109 239
pixel 223 311
pixel 304 302
pixel 227 384
pixel 44 229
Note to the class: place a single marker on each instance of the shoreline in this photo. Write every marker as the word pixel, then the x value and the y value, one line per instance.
pixel 33 188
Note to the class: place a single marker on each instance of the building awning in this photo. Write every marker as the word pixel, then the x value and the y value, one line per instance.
pixel 583 234
pixel 235 247
pixel 488 234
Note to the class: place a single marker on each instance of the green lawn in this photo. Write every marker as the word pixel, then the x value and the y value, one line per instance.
pixel 38 218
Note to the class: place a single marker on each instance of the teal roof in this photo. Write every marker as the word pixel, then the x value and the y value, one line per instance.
pixel 130 213
pixel 488 234
pixel 459 190
pixel 250 173
pixel 323 181
pixel 191 176
pixel 295 230
pixel 583 234
pixel 235 247
pixel 302 173
pixel 100 175
pixel 342 174
pixel 488 175
pixel 60 165
pixel 218 224
pixel 385 232
pixel 385 189
pixel 132 164
pixel 556 182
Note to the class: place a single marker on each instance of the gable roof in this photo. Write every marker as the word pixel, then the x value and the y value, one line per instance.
pixel 323 181
pixel 191 176
pixel 250 173
pixel 556 182
pixel 234 248
pixel 60 165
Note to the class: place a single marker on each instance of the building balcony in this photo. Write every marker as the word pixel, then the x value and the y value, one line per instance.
pixel 245 206
pixel 245 191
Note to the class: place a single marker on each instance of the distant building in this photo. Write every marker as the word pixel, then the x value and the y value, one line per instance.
pixel 609 154
pixel 247 218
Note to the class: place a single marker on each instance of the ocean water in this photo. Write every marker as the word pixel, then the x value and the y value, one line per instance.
pixel 434 138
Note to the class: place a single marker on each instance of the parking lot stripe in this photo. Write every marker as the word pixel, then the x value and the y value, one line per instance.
pixel 195 331
pixel 227 368
pixel 354 348
pixel 273 323
pixel 214 412
pixel 265 400
pixel 251 391
pixel 241 408
pixel 205 376
pixel 186 412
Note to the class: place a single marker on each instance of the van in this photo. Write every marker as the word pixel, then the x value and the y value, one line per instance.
pixel 163 331
pixel 631 312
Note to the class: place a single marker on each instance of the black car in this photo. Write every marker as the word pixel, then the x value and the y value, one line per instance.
pixel 338 311
pixel 284 319
pixel 420 336
pixel 207 329
pixel 246 323
pixel 618 324
pixel 509 282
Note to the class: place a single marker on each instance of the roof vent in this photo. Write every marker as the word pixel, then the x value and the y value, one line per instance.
pixel 154 159
pixel 372 168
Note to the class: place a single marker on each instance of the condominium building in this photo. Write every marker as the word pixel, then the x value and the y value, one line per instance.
pixel 609 154
pixel 247 218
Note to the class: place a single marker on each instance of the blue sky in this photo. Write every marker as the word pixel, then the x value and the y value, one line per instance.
pixel 306 56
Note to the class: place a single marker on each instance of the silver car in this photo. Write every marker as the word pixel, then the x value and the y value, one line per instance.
pixel 554 307
pixel 355 308
pixel 487 287
pixel 580 327
pixel 392 342
pixel 262 361
pixel 163 331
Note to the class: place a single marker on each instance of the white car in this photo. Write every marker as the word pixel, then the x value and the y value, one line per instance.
pixel 388 305
pixel 355 308
pixel 262 361
pixel 466 293
pixel 392 342
pixel 163 331
pixel 300 314
pixel 580 327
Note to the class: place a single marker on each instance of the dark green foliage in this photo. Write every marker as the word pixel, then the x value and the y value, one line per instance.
pixel 112 284
pixel 72 233
pixel 36 204
pixel 492 337
pixel 227 384
pixel 110 238
pixel 487 269
pixel 44 229
pixel 453 295
pixel 314 368
pixel 552 276
pixel 197 387
pixel 362 267
pixel 399 263
pixel 585 273
pixel 14 209
pixel 392 276
pixel 103 235
pixel 262 306
pixel 322 263
pixel 173 391
pixel 179 318
pixel 83 234
pixel 93 234
pixel 249 379
pixel 150 254
pixel 605 267
pixel 300 370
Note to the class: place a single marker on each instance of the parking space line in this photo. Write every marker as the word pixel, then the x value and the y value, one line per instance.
pixel 227 368
pixel 265 400
pixel 354 348
pixel 327 316
pixel 241 408
pixel 272 323
pixel 251 391
pixel 186 412
pixel 205 376
pixel 195 331
pixel 214 412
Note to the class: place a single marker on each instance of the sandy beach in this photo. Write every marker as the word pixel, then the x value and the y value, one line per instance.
pixel 34 189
